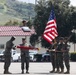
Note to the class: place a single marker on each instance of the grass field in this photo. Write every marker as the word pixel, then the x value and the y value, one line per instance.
pixel 5 18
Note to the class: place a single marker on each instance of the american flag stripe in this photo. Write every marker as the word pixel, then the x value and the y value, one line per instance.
pixel 46 31
pixel 49 29
pixel 55 32
pixel 47 38
pixel 51 25
pixel 51 35
pixel 51 22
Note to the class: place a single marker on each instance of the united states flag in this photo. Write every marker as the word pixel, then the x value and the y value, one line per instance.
pixel 50 31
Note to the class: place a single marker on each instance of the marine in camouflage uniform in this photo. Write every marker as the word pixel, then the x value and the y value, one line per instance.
pixel 53 57
pixel 66 56
pixel 24 56
pixel 59 56
pixel 7 55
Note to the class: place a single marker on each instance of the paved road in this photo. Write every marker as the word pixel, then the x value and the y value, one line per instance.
pixel 36 69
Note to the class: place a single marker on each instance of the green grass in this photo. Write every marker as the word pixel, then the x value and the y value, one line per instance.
pixel 5 18
pixel 10 11
pixel 2 1
pixel 3 4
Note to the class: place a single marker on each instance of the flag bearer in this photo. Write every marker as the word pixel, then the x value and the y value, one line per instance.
pixel 66 56
pixel 59 56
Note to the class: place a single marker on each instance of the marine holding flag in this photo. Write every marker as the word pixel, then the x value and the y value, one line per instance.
pixel 49 35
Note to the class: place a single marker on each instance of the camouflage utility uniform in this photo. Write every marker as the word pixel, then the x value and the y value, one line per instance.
pixel 59 57
pixel 24 58
pixel 7 55
pixel 53 57
pixel 66 58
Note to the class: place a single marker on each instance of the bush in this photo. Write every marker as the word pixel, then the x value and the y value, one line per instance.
pixel 1 6
pixel 38 57
pixel 73 56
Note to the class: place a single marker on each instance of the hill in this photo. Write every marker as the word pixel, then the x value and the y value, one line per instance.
pixel 13 9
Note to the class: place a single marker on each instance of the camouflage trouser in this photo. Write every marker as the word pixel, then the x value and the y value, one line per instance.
pixel 7 62
pixel 23 61
pixel 66 60
pixel 59 61
pixel 53 60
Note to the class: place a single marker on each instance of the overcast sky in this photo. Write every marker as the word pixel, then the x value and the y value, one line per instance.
pixel 73 2
pixel 28 1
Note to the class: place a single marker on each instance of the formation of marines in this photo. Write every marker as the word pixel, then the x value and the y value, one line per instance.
pixel 60 55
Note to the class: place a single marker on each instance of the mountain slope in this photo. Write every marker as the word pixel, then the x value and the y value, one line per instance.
pixel 13 9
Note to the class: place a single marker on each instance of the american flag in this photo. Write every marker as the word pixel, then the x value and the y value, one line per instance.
pixel 50 31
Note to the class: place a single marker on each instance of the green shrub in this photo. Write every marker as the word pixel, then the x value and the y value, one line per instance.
pixel 73 56
pixel 38 57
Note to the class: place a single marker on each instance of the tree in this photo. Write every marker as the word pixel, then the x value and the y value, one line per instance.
pixel 73 26
pixel 63 14
pixel 33 39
